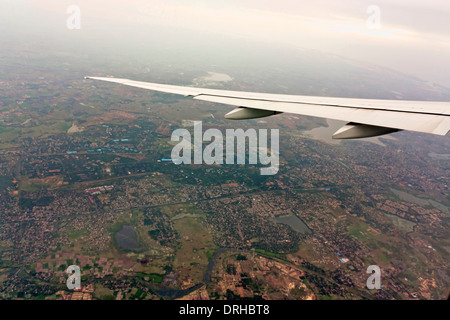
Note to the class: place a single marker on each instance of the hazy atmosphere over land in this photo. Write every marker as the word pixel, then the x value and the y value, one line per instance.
pixel 413 38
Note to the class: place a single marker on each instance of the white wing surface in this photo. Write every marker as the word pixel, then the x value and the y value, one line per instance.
pixel 365 117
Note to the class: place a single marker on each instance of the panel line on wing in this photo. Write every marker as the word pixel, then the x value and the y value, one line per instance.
pixel 317 104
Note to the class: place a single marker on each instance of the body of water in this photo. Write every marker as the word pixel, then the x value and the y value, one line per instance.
pixel 420 201
pixel 294 222
pixel 217 77
pixel 127 238
pixel 439 156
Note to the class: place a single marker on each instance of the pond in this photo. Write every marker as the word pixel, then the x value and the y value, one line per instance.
pixel 294 222
pixel 422 201
pixel 128 239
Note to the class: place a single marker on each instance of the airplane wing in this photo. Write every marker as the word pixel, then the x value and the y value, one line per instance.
pixel 365 117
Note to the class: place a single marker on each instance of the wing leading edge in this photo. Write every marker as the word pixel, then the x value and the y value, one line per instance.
pixel 365 117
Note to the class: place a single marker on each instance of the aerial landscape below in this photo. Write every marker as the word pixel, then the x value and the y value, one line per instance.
pixel 87 179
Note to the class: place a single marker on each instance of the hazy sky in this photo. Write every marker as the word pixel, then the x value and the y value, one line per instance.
pixel 414 35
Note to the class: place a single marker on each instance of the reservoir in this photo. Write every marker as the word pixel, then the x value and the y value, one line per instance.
pixel 127 238
pixel 439 156
pixel 422 201
pixel 294 222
